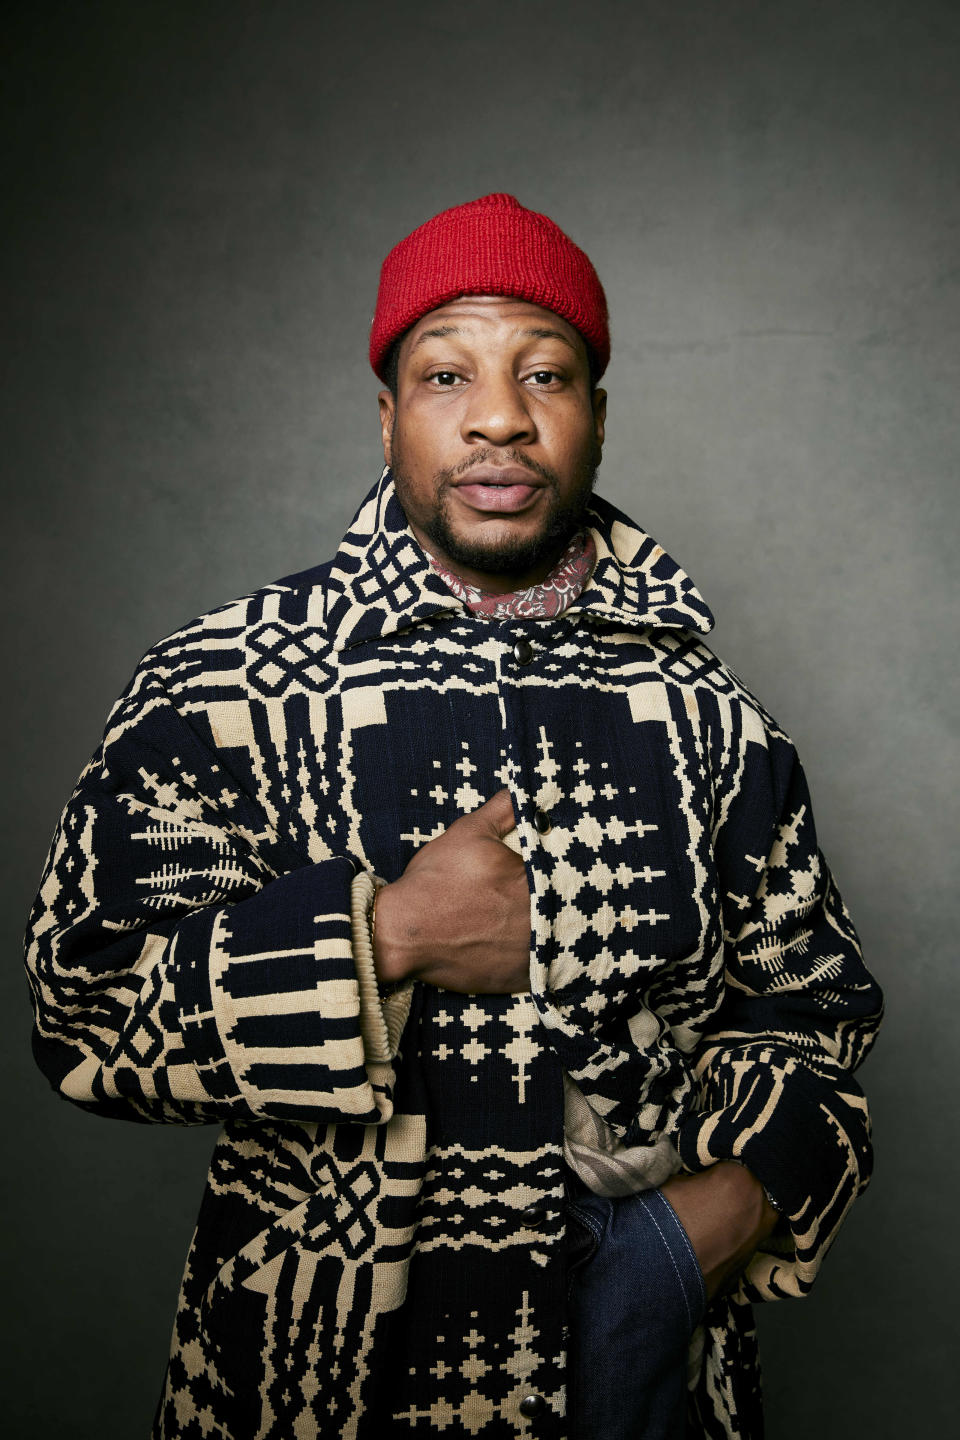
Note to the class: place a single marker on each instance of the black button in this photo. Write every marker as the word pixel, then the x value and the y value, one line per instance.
pixel 523 651
pixel 543 822
pixel 532 1404
pixel 534 1214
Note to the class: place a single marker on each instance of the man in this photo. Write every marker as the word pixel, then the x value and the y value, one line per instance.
pixel 483 906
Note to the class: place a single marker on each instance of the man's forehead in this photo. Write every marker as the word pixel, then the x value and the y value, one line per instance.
pixel 479 313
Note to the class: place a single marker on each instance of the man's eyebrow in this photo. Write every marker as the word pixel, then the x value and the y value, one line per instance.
pixel 437 333
pixel 542 332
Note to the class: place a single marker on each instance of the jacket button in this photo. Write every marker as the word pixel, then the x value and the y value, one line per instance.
pixel 532 1404
pixel 534 1214
pixel 523 651
pixel 543 822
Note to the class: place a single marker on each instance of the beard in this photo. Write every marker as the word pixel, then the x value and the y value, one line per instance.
pixel 505 556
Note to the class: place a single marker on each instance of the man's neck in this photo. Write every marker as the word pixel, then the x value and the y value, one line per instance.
pixel 548 597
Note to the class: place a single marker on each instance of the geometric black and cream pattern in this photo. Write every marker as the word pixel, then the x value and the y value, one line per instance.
pixel 380 1246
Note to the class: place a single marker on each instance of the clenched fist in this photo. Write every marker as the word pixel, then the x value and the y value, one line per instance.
pixel 459 916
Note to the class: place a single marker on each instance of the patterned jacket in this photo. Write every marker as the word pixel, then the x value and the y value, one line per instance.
pixel 379 1248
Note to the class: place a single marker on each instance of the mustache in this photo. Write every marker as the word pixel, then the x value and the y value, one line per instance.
pixel 488 455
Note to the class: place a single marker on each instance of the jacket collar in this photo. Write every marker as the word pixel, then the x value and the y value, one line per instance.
pixel 380 581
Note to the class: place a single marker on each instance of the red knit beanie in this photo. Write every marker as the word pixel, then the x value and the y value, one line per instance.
pixel 491 246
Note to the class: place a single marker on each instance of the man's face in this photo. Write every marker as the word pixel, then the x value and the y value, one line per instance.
pixel 494 438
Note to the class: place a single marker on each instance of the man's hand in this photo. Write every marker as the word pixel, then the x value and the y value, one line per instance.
pixel 726 1216
pixel 459 916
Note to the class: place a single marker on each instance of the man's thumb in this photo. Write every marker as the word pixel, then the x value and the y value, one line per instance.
pixel 496 815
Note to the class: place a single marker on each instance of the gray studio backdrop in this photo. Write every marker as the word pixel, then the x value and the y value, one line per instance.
pixel 198 199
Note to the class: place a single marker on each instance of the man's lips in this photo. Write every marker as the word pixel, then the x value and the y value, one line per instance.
pixel 502 490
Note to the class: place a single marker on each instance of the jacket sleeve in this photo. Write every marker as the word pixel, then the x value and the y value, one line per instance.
pixel 185 964
pixel 799 1013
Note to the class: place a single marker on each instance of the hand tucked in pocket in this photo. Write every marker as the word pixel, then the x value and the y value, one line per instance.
pixel 726 1216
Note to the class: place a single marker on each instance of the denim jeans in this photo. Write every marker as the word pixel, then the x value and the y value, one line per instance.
pixel 636 1294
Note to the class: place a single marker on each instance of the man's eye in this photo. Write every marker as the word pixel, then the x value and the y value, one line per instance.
pixel 544 377
pixel 443 377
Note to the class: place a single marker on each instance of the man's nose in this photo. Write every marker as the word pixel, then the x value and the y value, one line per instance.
pixel 498 412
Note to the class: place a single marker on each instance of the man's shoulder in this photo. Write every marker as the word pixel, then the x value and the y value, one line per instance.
pixel 264 639
pixel 707 685
pixel 303 600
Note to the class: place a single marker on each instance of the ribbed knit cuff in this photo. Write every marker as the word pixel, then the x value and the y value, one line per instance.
pixel 381 1019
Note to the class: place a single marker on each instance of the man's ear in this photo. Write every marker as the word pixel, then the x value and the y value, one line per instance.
pixel 387 411
pixel 599 414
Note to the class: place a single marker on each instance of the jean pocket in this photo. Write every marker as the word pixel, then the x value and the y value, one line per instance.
pixel 586 1225
pixel 682 1255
